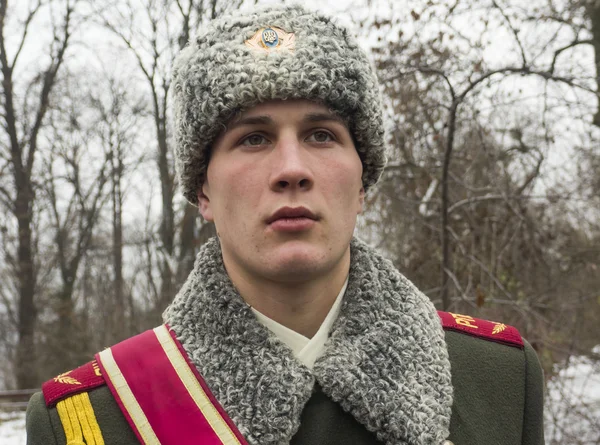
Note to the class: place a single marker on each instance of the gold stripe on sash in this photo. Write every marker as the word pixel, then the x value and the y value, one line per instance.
pixel 189 380
pixel 127 398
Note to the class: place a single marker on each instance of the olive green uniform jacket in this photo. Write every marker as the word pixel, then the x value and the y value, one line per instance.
pixel 498 400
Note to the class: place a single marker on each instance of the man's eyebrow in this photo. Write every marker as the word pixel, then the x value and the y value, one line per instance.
pixel 323 117
pixel 250 120
pixel 268 120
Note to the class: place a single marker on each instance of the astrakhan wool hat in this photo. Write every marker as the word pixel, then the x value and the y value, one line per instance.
pixel 283 52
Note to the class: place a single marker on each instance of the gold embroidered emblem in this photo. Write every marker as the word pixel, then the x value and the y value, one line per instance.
pixel 272 39
pixel 96 368
pixel 498 327
pixel 66 379
pixel 464 320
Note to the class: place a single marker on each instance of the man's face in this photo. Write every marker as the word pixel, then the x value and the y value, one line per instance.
pixel 284 188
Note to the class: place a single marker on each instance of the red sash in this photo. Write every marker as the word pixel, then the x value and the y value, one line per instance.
pixel 161 393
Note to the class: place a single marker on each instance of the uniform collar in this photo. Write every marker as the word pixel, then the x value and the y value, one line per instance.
pixel 305 349
pixel 385 362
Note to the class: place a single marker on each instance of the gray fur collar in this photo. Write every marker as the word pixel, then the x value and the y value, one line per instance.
pixel 386 361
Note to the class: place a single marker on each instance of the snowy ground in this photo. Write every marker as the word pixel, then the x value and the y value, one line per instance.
pixel 572 414
pixel 12 428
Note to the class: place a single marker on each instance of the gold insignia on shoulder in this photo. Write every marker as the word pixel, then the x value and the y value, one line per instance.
pixel 272 39
pixel 498 327
pixel 96 368
pixel 66 379
pixel 464 320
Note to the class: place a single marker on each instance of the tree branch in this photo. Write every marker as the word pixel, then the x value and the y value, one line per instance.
pixel 425 70
pixel 564 48
pixel 513 30
pixel 531 176
pixel 48 83
pixel 9 114
pixel 473 200
pixel 7 200
pixel 26 24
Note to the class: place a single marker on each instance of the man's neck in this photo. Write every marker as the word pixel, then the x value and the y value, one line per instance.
pixel 300 306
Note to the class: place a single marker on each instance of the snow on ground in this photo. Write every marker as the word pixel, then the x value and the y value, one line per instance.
pixel 12 428
pixel 572 414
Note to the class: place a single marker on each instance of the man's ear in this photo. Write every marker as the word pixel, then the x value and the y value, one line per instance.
pixel 204 203
pixel 361 200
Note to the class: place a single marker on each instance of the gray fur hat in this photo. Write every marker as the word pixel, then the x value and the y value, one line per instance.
pixel 281 52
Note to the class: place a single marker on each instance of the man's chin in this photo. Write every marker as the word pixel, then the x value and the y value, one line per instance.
pixel 300 262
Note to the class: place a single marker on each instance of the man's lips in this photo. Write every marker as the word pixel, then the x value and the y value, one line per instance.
pixel 292 219
pixel 291 213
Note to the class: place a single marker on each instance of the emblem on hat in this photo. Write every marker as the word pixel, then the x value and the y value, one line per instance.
pixel 272 39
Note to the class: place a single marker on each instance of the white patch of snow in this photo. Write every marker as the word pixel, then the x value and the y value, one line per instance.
pixel 572 414
pixel 12 428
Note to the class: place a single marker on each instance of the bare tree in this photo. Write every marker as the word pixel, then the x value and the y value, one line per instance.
pixel 75 196
pixel 23 121
pixel 458 80
pixel 119 110
pixel 153 32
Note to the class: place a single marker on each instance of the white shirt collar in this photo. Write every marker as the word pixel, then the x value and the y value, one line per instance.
pixel 306 350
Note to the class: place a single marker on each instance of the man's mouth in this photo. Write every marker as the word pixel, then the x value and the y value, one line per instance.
pixel 291 213
pixel 292 219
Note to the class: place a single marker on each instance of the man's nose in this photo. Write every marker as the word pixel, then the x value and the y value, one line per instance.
pixel 291 168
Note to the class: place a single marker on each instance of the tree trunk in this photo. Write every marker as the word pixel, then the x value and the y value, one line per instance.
pixel 26 369
pixel 593 12
pixel 118 319
pixel 167 222
pixel 167 225
pixel 445 232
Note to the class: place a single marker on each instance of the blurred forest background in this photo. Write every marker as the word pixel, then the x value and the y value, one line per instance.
pixel 490 201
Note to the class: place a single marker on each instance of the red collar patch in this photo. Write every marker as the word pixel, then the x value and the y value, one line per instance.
pixel 489 330
pixel 78 380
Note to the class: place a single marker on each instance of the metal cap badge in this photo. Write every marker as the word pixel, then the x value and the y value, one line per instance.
pixel 272 39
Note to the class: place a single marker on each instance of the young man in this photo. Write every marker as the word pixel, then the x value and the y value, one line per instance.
pixel 289 330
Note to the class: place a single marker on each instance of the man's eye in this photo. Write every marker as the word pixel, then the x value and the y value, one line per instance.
pixel 254 139
pixel 320 136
